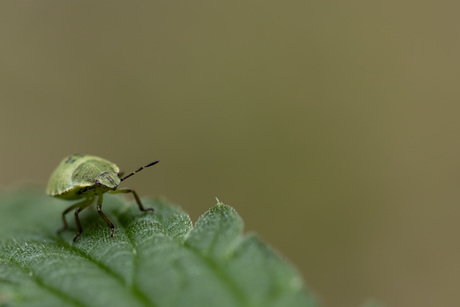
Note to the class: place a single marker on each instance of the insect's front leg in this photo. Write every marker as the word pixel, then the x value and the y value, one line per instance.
pixel 138 200
pixel 104 217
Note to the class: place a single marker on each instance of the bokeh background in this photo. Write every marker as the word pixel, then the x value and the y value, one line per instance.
pixel 331 126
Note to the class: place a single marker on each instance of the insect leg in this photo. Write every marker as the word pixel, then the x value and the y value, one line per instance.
pixel 138 200
pixel 105 218
pixel 63 217
pixel 82 205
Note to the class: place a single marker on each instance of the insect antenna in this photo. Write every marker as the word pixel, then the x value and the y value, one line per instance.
pixel 140 169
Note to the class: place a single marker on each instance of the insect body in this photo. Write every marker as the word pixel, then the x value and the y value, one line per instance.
pixel 87 177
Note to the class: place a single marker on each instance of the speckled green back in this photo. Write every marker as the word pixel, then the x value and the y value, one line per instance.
pixel 77 171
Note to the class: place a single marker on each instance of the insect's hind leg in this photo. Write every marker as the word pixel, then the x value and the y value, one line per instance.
pixel 79 207
pixel 138 200
pixel 63 217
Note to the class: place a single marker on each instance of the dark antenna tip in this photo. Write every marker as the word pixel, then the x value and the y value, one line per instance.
pixel 140 169
pixel 152 163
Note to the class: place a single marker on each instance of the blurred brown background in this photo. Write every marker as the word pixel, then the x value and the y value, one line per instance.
pixel 331 126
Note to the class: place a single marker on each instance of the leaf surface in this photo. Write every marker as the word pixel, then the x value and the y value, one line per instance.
pixel 155 259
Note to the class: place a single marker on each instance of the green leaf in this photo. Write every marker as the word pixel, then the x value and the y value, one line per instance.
pixel 156 259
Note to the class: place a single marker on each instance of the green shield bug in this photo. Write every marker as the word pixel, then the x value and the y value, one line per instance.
pixel 85 177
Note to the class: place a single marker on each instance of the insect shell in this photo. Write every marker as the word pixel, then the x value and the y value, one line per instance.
pixel 87 177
